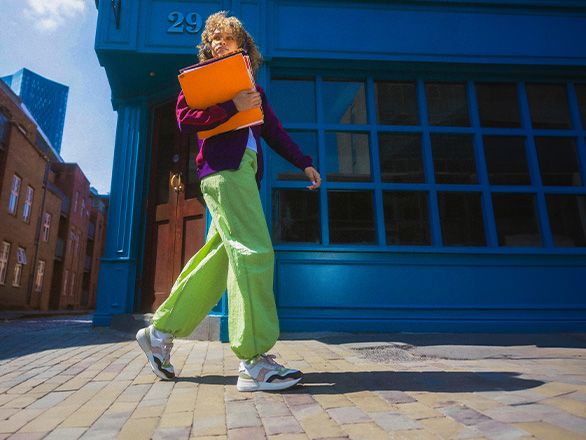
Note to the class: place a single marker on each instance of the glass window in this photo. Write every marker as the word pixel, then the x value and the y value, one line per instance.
pixel 65 279
pixel 296 216
pixel 46 226
pixel 282 169
pixel 453 158
pixel 548 104
pixel 581 95
pixel 396 103
pixel 20 262
pixel 558 161
pixel 406 218
pixel 14 194
pixel 506 160
pixel 344 102
pixel 567 217
pixel 293 100
pixel 347 157
pixel 4 255
pixel 461 219
pixel 498 105
pixel 351 217
pixel 4 128
pixel 401 158
pixel 28 204
pixel 447 104
pixel 40 276
pixel 516 219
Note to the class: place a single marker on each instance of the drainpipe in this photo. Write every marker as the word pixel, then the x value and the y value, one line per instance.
pixel 38 233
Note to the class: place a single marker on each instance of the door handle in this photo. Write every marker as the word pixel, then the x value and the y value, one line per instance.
pixel 176 183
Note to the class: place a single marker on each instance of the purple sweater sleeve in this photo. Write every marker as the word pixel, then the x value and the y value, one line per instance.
pixel 277 138
pixel 192 120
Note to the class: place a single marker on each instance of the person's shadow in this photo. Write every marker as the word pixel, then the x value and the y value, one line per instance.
pixel 431 381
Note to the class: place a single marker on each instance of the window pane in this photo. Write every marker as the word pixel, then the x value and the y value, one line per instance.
pixel 282 169
pixel 296 216
pixel 406 218
pixel 461 219
pixel 351 217
pixel 506 160
pixel 516 220
pixel 4 127
pixel 558 161
pixel 498 105
pixel 401 158
pixel 548 104
pixel 447 104
pixel 581 93
pixel 567 217
pixel 453 159
pixel 344 102
pixel 293 100
pixel 396 103
pixel 348 157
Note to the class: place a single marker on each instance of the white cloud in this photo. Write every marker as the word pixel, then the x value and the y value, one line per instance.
pixel 50 15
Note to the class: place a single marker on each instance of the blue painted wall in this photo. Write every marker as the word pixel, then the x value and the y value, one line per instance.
pixel 374 287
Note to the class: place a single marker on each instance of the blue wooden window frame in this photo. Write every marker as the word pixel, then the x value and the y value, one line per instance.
pixel 577 132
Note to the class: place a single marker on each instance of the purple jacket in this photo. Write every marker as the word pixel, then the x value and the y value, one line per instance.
pixel 225 151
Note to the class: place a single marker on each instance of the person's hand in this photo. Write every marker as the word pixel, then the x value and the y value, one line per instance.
pixel 247 99
pixel 313 176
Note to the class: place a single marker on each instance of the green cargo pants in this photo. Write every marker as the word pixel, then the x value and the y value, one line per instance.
pixel 238 254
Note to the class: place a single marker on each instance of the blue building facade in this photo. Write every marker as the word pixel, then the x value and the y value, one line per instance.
pixel 450 137
pixel 46 100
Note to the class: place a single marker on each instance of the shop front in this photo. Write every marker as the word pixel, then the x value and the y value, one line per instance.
pixel 451 139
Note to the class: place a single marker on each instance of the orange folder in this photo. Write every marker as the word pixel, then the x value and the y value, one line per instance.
pixel 219 80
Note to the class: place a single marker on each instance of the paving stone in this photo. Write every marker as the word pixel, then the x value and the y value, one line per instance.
pixel 464 415
pixel 241 414
pixel 281 425
pixel 547 431
pixel 250 433
pixel 171 434
pixel 396 396
pixel 365 431
pixel 571 406
pixel 394 422
pixel 66 434
pixel 500 431
pixel 349 414
pixel 568 421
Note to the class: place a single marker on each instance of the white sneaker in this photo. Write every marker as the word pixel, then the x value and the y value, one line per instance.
pixel 263 373
pixel 158 353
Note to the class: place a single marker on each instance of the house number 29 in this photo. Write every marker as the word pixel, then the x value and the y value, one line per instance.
pixel 190 23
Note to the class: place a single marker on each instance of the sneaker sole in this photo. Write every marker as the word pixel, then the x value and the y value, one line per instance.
pixel 145 346
pixel 245 385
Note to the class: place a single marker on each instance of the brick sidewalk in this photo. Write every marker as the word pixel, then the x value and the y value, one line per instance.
pixel 74 382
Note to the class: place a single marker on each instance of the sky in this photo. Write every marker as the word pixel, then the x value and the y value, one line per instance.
pixel 56 40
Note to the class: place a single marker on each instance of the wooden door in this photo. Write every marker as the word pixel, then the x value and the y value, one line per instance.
pixel 176 211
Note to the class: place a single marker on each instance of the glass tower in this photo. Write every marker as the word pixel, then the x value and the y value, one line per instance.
pixel 45 99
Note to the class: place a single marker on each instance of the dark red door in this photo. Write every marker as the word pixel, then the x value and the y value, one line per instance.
pixel 176 219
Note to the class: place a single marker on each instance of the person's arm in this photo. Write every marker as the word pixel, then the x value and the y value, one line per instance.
pixel 279 140
pixel 192 120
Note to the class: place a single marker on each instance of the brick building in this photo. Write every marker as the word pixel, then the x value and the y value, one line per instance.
pixel 95 247
pixel 28 211
pixel 47 219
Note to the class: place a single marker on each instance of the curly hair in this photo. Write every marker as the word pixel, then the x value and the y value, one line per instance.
pixel 221 21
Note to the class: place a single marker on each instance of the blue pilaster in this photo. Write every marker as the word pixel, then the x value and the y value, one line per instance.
pixel 117 285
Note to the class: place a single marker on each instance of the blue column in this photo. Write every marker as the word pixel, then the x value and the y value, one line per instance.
pixel 118 270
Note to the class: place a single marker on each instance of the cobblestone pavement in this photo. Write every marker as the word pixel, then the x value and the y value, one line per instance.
pixel 62 379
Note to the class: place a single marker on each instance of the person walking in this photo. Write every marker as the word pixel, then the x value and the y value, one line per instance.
pixel 238 253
